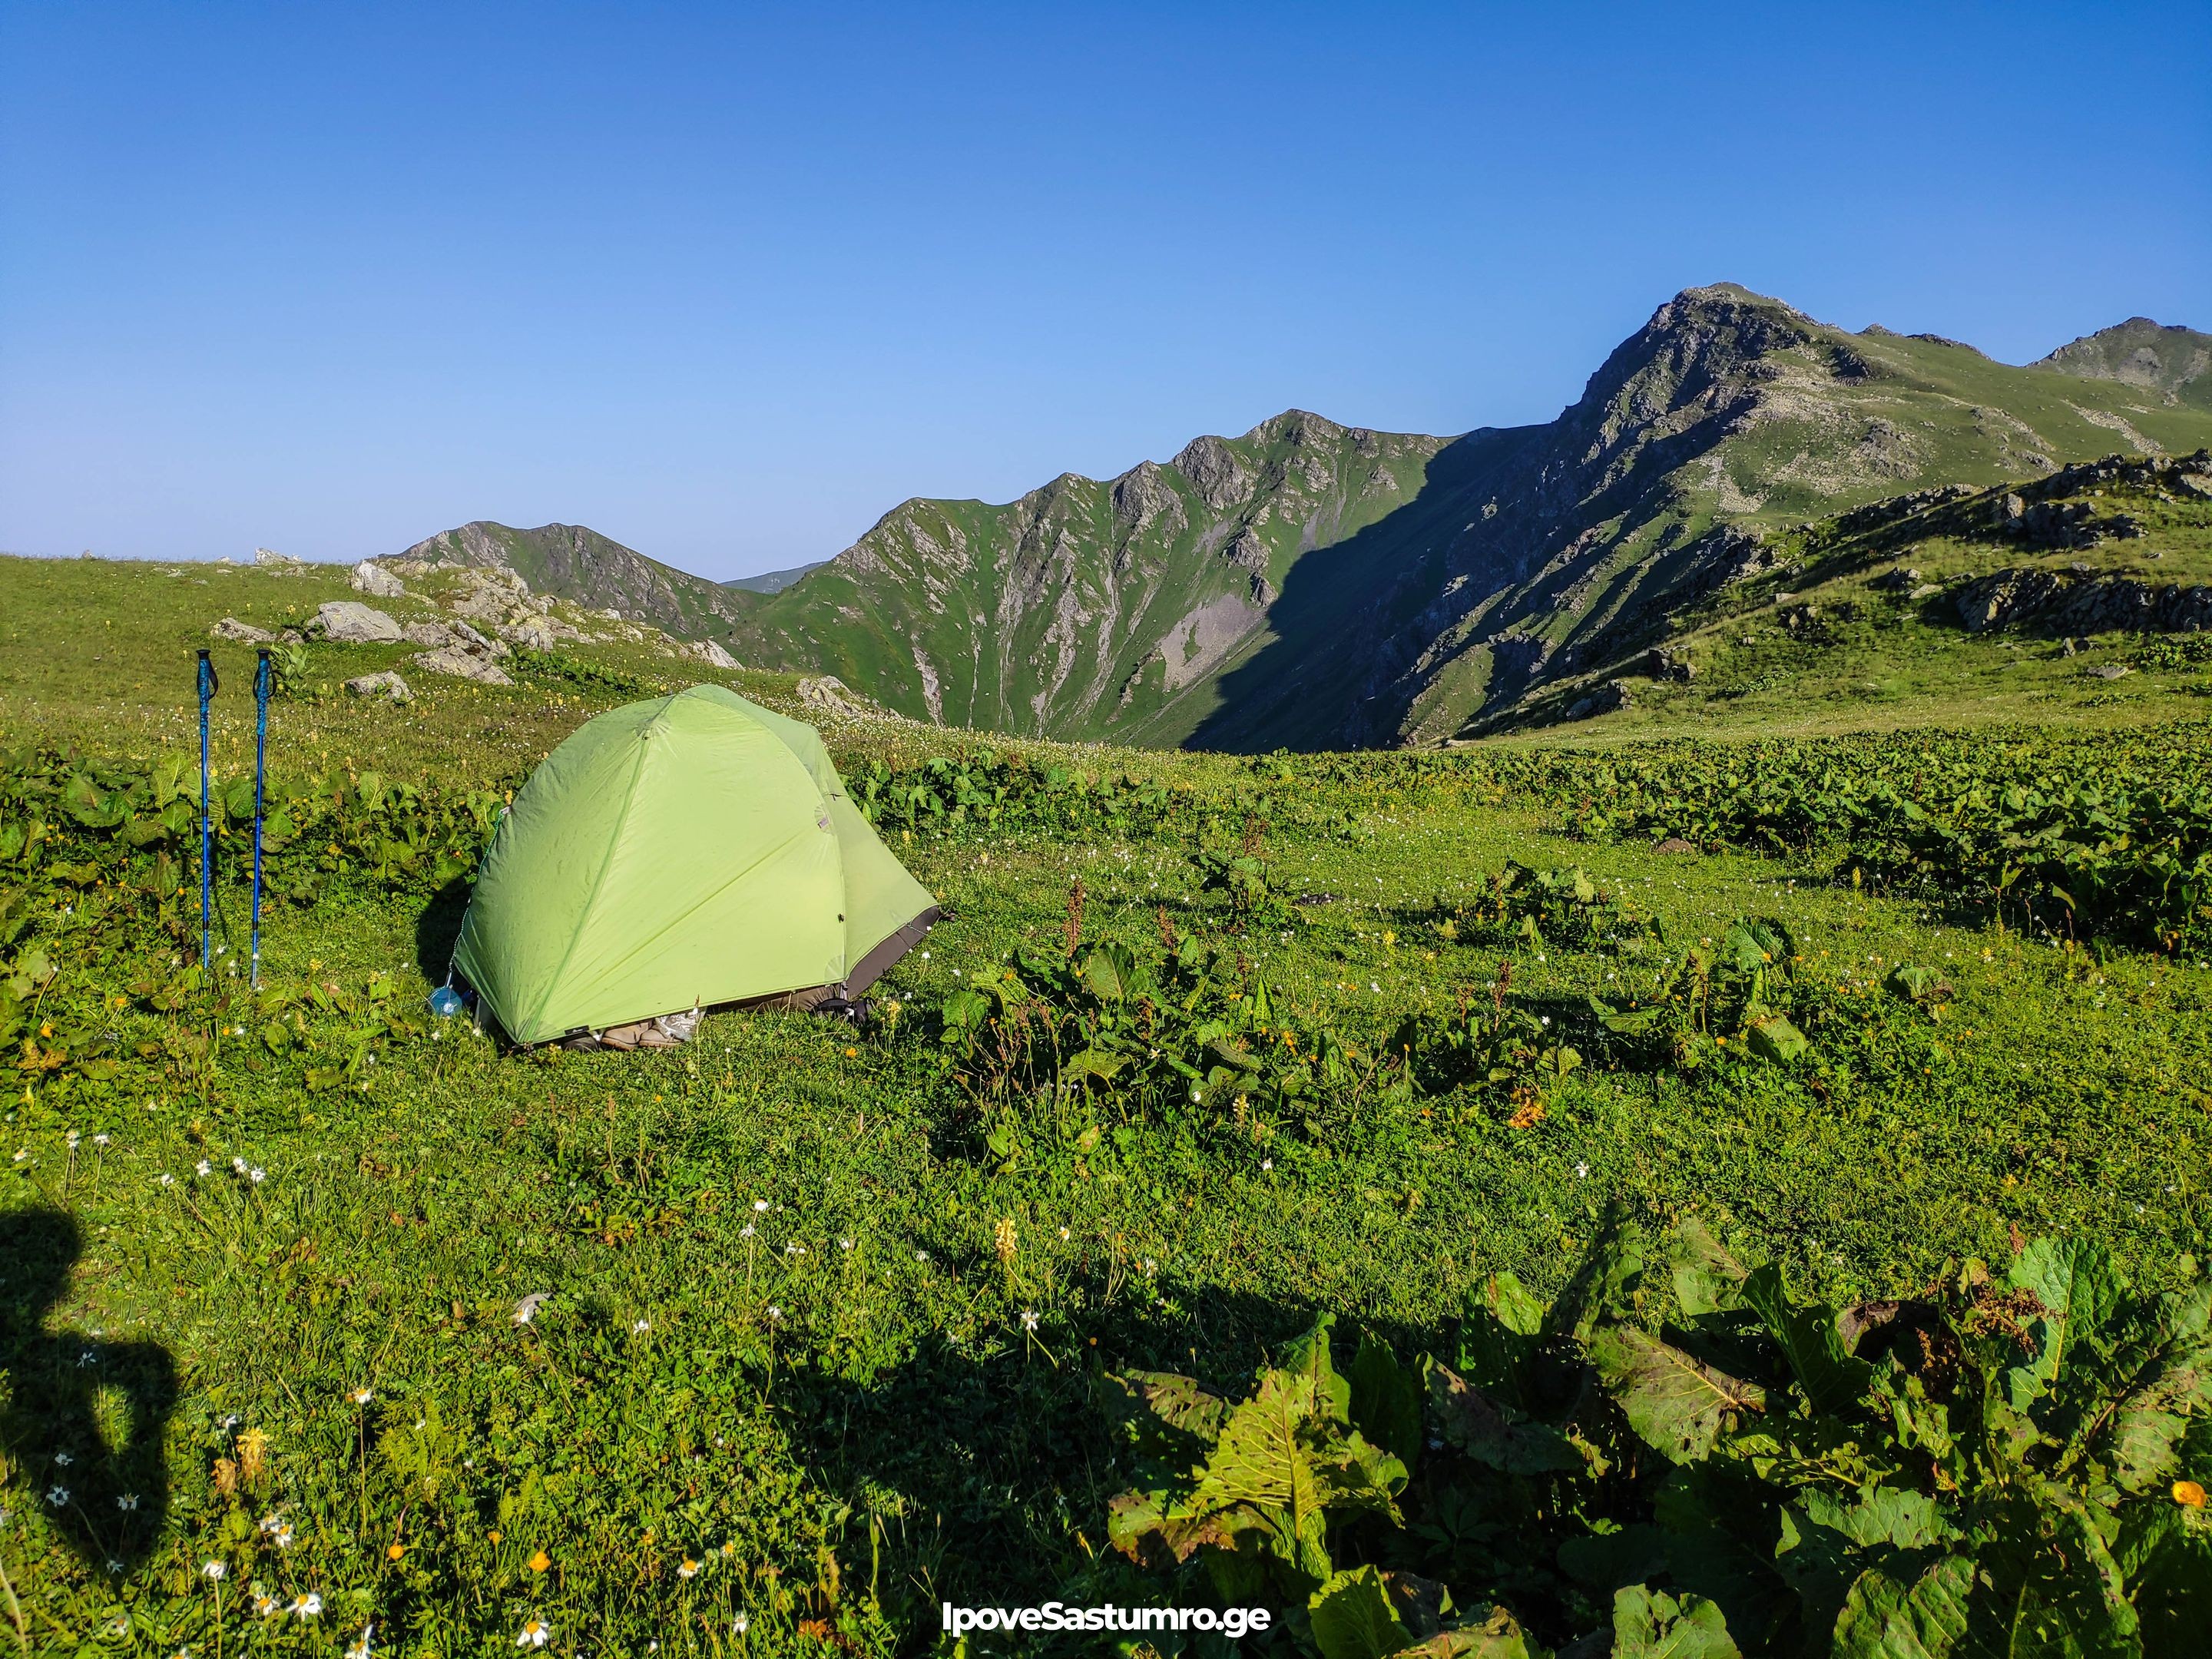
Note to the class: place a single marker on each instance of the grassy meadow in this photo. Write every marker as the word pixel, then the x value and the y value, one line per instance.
pixel 324 1317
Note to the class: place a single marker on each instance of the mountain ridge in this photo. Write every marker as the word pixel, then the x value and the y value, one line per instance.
pixel 1310 584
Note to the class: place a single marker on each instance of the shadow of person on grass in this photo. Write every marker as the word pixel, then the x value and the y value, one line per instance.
pixel 84 1420
pixel 438 929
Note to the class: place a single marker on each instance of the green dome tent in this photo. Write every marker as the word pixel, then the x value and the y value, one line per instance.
pixel 692 850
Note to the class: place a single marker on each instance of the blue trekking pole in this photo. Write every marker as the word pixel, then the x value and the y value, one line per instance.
pixel 261 682
pixel 208 685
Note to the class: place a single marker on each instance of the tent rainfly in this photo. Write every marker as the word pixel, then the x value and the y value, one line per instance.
pixel 692 850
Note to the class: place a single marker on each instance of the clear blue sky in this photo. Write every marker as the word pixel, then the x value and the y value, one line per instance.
pixel 727 282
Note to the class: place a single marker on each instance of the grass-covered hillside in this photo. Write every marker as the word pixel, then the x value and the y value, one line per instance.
pixel 2073 600
pixel 1759 1189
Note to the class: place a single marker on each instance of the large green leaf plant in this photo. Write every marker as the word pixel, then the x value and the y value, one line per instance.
pixel 1678 1456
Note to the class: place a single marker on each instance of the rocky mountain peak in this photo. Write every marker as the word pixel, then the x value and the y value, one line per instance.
pixel 1217 471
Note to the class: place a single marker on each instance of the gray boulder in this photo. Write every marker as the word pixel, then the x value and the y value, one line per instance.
pixel 708 652
pixel 242 633
pixel 483 644
pixel 270 559
pixel 463 664
pixel 373 579
pixel 387 685
pixel 830 695
pixel 431 634
pixel 348 622
pixel 535 633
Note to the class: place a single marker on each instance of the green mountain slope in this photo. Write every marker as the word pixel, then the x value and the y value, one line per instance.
pixel 1090 608
pixel 2039 603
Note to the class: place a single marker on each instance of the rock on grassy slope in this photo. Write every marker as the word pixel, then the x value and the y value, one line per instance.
pixel 1310 585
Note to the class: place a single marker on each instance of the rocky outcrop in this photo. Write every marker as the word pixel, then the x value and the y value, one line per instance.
pixel 373 579
pixel 2060 601
pixel 268 558
pixel 386 685
pixel 240 632
pixel 1218 473
pixel 463 663
pixel 1143 497
pixel 1895 509
pixel 826 694
pixel 348 622
pixel 708 652
pixel 1608 699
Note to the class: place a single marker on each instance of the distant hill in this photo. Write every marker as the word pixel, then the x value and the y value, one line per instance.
pixel 1311 585
pixel 774 581
pixel 2176 362
pixel 574 562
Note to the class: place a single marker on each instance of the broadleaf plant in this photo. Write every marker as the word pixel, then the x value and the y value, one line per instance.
pixel 2011 1463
